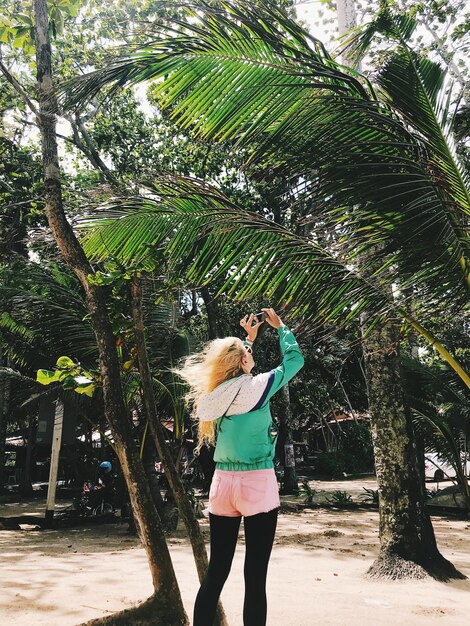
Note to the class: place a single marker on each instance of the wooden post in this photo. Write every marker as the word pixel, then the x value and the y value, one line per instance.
pixel 56 441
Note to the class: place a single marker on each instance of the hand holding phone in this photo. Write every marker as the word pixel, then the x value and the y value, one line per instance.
pixel 271 317
pixel 251 325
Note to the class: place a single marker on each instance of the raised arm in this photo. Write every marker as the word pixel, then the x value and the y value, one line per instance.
pixel 292 359
pixel 292 362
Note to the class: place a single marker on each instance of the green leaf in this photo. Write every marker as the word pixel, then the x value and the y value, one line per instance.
pixel 65 363
pixel 88 390
pixel 5 34
pixel 45 377
pixel 68 382
pixel 23 17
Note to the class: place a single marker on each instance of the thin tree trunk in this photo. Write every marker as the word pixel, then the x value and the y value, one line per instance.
pixel 5 387
pixel 165 606
pixel 149 468
pixel 90 150
pixel 290 483
pixel 211 312
pixel 184 506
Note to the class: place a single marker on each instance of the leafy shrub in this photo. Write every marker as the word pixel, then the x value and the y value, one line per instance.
pixel 370 495
pixel 340 497
pixel 307 492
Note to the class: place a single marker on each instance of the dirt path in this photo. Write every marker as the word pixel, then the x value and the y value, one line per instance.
pixel 64 577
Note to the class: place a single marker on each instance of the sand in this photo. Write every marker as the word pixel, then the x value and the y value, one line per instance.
pixel 316 574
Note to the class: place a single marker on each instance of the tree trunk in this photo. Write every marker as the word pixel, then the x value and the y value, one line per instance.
pixel 5 386
pixel 211 312
pixel 184 506
pixel 407 543
pixel 166 605
pixel 149 468
pixel 346 16
pixel 290 483
pixel 25 486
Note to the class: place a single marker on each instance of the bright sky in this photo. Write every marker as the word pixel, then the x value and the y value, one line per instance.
pixel 309 12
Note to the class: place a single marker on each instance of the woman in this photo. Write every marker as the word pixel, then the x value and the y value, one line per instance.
pixel 232 408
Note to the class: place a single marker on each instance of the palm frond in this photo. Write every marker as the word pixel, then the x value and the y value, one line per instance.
pixel 47 302
pixel 249 74
pixel 419 92
pixel 205 237
pixel 443 439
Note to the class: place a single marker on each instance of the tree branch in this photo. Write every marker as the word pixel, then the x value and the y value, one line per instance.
pixel 17 87
pixel 445 55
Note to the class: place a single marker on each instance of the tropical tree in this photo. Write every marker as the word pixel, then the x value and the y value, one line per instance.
pixel 18 31
pixel 250 75
pixel 165 606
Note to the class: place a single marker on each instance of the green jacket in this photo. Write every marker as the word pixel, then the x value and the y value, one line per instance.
pixel 246 441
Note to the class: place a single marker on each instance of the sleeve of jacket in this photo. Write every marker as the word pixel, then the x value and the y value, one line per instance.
pixel 292 362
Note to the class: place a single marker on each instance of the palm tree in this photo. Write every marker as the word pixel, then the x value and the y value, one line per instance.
pixel 274 88
pixel 165 605
pixel 249 75
pixel 44 315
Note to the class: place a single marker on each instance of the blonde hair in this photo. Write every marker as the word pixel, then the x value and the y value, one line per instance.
pixel 218 361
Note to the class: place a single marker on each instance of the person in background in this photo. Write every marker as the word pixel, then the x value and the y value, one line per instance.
pixel 105 479
pixel 233 412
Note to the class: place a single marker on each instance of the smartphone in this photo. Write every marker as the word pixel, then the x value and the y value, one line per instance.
pixel 261 316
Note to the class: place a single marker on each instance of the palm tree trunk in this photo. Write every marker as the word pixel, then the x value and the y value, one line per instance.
pixel 407 542
pixel 290 483
pixel 5 386
pixel 184 506
pixel 165 606
pixel 211 312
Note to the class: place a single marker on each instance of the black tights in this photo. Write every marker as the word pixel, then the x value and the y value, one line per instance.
pixel 259 537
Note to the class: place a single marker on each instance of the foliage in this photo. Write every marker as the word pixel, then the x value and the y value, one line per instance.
pixel 71 376
pixel 408 199
pixel 340 497
pixel 20 196
pixel 307 492
pixel 47 302
pixel 353 455
pixel 391 159
pixel 370 495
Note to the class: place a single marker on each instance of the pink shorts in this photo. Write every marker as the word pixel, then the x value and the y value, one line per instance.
pixel 233 494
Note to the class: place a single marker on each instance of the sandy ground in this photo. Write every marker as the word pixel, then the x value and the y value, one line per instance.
pixel 316 573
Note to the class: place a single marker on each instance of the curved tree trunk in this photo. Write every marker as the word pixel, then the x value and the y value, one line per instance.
pixel 167 607
pixel 184 506
pixel 407 542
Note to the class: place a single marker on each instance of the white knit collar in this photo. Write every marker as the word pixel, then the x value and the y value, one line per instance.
pixel 232 397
